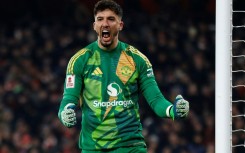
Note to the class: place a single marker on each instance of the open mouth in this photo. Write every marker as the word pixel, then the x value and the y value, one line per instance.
pixel 105 35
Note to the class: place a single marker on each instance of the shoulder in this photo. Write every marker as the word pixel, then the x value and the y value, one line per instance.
pixel 80 57
pixel 82 53
pixel 138 55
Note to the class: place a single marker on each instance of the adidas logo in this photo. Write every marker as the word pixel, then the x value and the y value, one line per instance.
pixel 97 72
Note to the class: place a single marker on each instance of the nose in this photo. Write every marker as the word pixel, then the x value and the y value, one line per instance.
pixel 105 23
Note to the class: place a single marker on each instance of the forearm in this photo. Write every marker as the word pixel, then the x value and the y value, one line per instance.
pixel 159 104
pixel 67 99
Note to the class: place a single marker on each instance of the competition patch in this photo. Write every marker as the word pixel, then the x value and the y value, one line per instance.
pixel 70 81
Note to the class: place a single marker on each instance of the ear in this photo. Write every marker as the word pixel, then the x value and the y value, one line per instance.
pixel 121 25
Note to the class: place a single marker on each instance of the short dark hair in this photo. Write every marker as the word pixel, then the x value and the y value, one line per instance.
pixel 108 4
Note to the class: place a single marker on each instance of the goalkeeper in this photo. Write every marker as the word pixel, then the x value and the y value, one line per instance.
pixel 104 80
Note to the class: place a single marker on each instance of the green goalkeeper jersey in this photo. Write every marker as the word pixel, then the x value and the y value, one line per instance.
pixel 106 85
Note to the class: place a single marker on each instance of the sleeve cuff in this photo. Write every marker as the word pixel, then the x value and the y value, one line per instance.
pixel 168 110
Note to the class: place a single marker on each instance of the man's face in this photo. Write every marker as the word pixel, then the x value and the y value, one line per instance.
pixel 107 25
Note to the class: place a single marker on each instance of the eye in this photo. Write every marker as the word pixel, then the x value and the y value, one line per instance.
pixel 99 19
pixel 111 18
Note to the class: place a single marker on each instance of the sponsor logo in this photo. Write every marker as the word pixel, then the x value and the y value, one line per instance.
pixel 97 72
pixel 150 72
pixel 113 103
pixel 70 81
pixel 113 89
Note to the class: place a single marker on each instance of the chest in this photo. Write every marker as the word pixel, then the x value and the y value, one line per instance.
pixel 111 67
pixel 110 75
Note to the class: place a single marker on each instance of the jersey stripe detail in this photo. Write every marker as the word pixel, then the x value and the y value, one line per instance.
pixel 137 52
pixel 73 60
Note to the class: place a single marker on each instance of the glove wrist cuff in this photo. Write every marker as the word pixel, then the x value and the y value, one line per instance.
pixel 168 113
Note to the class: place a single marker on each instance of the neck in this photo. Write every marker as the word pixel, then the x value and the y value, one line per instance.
pixel 110 47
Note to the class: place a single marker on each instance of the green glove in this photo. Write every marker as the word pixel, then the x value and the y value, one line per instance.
pixel 180 108
pixel 68 115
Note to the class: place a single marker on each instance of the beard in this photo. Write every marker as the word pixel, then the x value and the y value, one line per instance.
pixel 108 43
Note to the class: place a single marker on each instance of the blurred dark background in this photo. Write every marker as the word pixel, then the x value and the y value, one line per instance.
pixel 38 37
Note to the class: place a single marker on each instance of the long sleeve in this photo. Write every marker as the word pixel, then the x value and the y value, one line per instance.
pixel 73 81
pixel 155 98
pixel 149 88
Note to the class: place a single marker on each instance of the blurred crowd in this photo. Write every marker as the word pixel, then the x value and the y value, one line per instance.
pixel 179 40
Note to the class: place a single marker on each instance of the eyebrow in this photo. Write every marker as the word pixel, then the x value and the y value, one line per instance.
pixel 108 17
pixel 105 17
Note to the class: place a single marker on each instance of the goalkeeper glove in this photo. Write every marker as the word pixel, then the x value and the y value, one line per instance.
pixel 68 115
pixel 180 108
